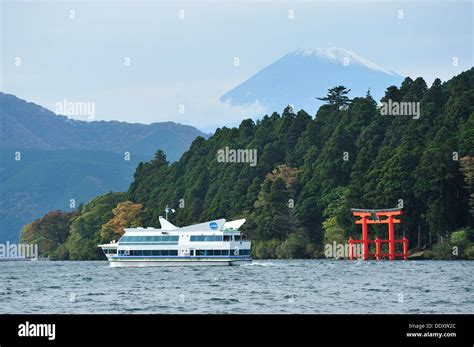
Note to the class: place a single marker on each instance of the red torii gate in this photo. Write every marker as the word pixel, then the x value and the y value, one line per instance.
pixel 373 217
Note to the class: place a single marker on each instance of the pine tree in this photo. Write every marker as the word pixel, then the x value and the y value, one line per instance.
pixel 337 96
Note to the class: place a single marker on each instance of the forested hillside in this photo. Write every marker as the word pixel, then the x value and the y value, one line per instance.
pixel 312 170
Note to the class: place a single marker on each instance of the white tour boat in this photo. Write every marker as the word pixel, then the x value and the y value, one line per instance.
pixel 211 243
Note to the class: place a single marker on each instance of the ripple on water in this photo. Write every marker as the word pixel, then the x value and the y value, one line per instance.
pixel 256 263
pixel 275 286
pixel 225 300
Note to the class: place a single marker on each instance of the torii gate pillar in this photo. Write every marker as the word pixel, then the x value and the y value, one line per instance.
pixel 374 217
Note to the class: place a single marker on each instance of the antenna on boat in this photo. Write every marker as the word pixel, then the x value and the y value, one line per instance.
pixel 168 209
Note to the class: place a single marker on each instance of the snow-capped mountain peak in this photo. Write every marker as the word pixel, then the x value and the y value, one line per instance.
pixel 343 56
pixel 300 76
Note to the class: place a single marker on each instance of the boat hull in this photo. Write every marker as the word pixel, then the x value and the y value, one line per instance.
pixel 184 261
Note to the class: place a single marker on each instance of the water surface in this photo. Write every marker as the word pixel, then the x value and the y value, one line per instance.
pixel 264 286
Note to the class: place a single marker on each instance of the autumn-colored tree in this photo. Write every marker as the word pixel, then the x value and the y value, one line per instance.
pixel 84 234
pixel 126 214
pixel 48 232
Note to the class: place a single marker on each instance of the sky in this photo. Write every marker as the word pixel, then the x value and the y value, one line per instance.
pixel 154 61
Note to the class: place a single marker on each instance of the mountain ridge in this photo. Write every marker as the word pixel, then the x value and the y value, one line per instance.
pixel 300 76
pixel 42 129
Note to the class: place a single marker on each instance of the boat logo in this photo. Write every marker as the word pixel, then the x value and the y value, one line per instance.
pixel 213 225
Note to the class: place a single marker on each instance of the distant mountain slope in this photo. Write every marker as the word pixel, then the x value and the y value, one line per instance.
pixel 63 159
pixel 300 76
pixel 27 125
pixel 48 180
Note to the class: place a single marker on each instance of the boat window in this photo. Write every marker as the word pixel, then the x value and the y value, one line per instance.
pixel 227 238
pixel 208 238
pixel 139 253
pixel 145 239
pixel 237 237
pixel 212 252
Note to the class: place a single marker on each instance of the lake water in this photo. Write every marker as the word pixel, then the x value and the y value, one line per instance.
pixel 272 286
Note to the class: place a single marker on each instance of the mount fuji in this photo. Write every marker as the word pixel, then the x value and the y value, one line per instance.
pixel 300 76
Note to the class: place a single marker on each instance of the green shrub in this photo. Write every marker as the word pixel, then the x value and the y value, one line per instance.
pixel 469 252
pixel 441 251
pixel 265 249
pixel 294 247
pixel 460 240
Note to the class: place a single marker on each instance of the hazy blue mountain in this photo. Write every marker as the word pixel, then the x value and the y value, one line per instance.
pixel 27 125
pixel 300 76
pixel 47 180
pixel 64 159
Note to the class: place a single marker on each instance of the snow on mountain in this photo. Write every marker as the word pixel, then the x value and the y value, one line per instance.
pixel 300 76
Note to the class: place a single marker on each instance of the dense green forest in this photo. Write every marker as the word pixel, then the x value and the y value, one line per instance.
pixel 310 171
